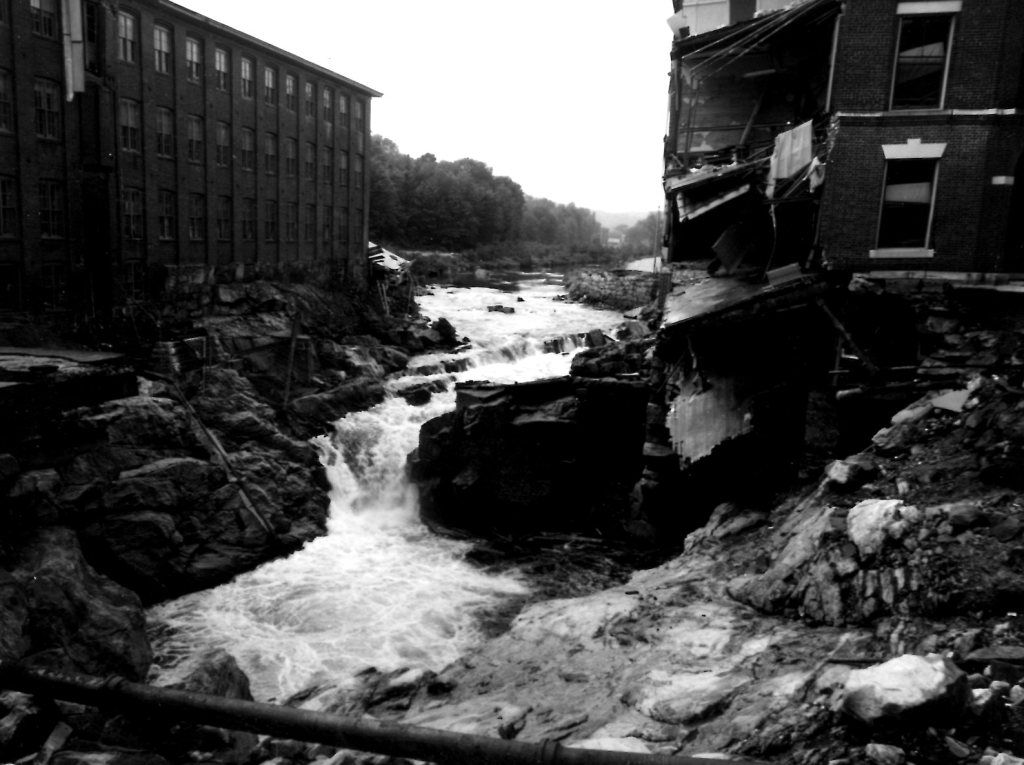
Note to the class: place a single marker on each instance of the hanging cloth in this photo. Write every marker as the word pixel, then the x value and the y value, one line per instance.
pixel 791 155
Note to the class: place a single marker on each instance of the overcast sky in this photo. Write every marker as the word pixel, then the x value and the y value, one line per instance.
pixel 566 98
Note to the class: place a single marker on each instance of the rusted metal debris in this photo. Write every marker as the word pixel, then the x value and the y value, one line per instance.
pixel 368 735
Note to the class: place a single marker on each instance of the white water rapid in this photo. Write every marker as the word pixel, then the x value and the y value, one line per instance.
pixel 379 589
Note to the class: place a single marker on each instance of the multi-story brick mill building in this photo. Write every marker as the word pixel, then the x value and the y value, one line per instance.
pixel 144 147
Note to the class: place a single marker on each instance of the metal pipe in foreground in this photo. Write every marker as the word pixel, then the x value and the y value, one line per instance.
pixel 365 735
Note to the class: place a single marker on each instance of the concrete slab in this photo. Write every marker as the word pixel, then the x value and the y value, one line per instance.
pixel 715 297
pixel 79 357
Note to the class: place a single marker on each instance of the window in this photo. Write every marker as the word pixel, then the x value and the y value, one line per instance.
pixel 326 165
pixel 44 17
pixel 164 132
pixel 6 101
pixel 291 157
pixel 51 210
pixel 342 117
pixel 309 166
pixel 196 217
pixel 247 151
pixel 131 213
pixel 343 227
pixel 269 86
pixel 194 138
pixel 8 207
pixel 223 156
pixel 193 59
pixel 310 101
pixel 328 213
pixel 248 219
pixel 289 92
pixel 922 56
pixel 223 219
pixel 5 13
pixel 270 220
pixel 130 118
pixel 126 40
pixel 247 84
pixel 222 68
pixel 343 168
pixel 55 284
pixel 162 49
pixel 132 279
pixel 47 111
pixel 291 222
pixel 93 49
pixel 907 199
pixel 360 227
pixel 359 124
pixel 328 105
pixel 270 154
pixel 166 217
pixel 357 179
pixel 309 223
pixel 10 287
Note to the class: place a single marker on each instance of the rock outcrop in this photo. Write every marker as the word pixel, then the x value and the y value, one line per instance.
pixel 561 453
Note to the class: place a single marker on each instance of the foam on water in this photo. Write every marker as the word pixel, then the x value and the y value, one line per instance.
pixel 379 589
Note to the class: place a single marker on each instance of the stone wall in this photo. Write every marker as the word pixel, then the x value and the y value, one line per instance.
pixel 619 289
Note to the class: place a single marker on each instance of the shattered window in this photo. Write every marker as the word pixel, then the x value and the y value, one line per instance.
pixel 921 56
pixel 907 203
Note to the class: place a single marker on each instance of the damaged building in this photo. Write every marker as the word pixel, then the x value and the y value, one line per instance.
pixel 809 142
pixel 911 108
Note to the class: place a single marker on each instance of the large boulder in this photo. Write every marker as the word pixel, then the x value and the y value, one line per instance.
pixel 553 454
pixel 928 689
pixel 317 410
pixel 77 619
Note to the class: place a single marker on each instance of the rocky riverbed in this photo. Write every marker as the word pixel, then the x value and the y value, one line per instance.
pixel 869 617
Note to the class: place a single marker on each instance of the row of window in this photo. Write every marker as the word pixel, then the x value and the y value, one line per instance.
pixel 132 215
pixel 51 208
pixel 163 53
pixel 131 140
pixel 52 217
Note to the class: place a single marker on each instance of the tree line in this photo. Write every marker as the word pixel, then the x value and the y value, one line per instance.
pixel 428 204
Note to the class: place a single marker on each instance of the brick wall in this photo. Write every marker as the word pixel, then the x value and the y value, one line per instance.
pixel 984 68
pixel 970 214
pixel 94 168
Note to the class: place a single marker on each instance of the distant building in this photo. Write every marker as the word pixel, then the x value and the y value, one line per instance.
pixel 146 149
pixel 875 135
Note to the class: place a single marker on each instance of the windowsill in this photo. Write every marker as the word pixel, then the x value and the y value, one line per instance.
pixel 912 110
pixel 901 252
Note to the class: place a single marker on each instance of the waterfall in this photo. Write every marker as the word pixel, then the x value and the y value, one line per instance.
pixel 379 589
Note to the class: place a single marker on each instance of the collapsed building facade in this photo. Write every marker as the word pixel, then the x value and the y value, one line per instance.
pixel 809 142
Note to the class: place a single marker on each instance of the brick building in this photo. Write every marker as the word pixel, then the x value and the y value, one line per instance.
pixel 928 125
pixel 912 110
pixel 146 151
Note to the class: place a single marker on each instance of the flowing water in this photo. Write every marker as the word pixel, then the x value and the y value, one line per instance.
pixel 379 589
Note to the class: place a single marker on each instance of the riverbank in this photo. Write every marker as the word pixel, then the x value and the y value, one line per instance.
pixel 748 641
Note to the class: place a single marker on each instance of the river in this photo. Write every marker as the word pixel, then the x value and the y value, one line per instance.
pixel 379 589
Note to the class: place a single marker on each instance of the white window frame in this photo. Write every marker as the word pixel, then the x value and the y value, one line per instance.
pixel 194 59
pixel 912 149
pixel 162 49
pixel 948 8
